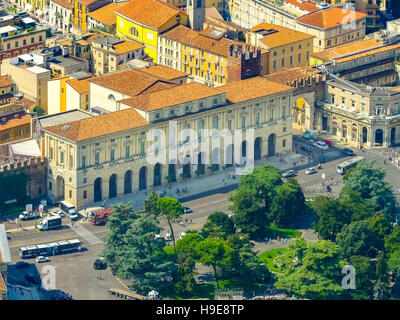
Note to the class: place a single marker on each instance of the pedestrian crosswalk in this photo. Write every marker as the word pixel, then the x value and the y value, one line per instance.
pixel 86 234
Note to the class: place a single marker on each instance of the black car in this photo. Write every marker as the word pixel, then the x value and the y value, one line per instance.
pixel 21 264
pixel 187 210
pixel 348 151
pixel 33 278
pixel 100 264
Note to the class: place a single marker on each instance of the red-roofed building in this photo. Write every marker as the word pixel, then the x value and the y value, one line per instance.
pixel 333 27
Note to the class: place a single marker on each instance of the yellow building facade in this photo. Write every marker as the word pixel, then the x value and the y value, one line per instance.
pixel 144 21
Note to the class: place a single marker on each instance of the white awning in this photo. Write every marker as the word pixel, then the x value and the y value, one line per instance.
pixel 28 6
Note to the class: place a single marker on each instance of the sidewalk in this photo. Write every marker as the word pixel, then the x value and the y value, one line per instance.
pixel 197 185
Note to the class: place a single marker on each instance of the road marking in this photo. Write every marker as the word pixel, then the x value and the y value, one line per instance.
pixel 86 234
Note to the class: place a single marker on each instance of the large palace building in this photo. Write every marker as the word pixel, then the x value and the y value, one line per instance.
pixel 107 156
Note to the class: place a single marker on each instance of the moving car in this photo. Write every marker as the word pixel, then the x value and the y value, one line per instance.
pixel 27 215
pixel 348 151
pixel 41 259
pixel 21 264
pixel 288 173
pixel 100 264
pixel 187 210
pixel 311 170
pixel 321 145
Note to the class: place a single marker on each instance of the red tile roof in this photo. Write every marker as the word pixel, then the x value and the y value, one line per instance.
pixel 330 18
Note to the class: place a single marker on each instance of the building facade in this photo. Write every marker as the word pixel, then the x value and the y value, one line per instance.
pixel 109 52
pixel 15 123
pixel 108 161
pixel 61 14
pixel 15 41
pixel 366 115
pixel 287 48
pixel 143 21
pixel 81 10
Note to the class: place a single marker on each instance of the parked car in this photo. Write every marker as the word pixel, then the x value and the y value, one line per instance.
pixel 181 235
pixel 100 264
pixel 288 173
pixel 33 278
pixel 167 237
pixel 21 264
pixel 58 213
pixel 348 151
pixel 41 259
pixel 311 170
pixel 321 145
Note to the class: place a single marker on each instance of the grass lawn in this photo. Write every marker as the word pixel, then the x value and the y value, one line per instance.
pixel 268 258
pixel 273 232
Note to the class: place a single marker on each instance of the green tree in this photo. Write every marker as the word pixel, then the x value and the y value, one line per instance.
pixel 360 208
pixel 365 278
pixel 357 238
pixel 218 225
pixel 243 263
pixel 311 270
pixel 215 253
pixel 119 222
pixel 394 261
pixel 252 200
pixel 380 224
pixel 150 204
pixel 186 258
pixel 369 182
pixel 288 203
pixel 332 216
pixel 143 259
pixel 171 209
pixel 392 241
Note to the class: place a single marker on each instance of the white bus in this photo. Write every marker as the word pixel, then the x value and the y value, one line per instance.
pixel 341 168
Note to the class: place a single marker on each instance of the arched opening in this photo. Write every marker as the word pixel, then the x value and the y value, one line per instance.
pixel 112 186
pixel 60 188
pixel 271 145
pixel 200 163
pixel 379 136
pixel 128 182
pixel 324 123
pixel 244 149
pixel 257 148
pixel 364 135
pixel 97 190
pixel 142 178
pixel 186 168
pixel 393 136
pixel 229 156
pixel 172 172
pixel 215 160
pixel 157 175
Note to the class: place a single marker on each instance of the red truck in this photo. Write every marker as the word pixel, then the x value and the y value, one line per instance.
pixel 100 217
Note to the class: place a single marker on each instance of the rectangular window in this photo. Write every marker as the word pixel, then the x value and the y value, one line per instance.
pixel 61 156
pixel 84 194
pixel 229 124
pixel 127 151
pixel 243 122
pixel 50 186
pixel 258 119
pixel 83 161
pixel 283 143
pixel 51 152
pixel 96 158
pixel 112 155
pixel 142 147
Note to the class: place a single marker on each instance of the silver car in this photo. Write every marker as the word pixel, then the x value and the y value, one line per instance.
pixel 311 170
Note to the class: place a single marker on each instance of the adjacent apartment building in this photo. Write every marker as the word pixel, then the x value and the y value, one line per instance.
pixel 61 14
pixel 81 10
pixel 109 52
pixel 209 57
pixel 144 20
pixel 16 40
pixel 286 48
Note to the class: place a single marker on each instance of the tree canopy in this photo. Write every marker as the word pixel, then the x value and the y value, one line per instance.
pixel 218 225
